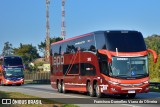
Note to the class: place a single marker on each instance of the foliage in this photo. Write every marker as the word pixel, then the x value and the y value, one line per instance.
pixel 42 45
pixel 153 42
pixel 7 49
pixel 27 52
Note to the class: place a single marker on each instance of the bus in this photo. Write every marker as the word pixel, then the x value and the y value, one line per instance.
pixel 11 70
pixel 102 62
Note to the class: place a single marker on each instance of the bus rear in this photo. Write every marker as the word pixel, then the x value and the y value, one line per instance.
pixel 12 70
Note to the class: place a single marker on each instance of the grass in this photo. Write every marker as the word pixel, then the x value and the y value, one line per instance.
pixel 36 82
pixel 154 79
pixel 48 103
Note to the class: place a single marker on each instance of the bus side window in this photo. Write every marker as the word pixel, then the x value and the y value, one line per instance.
pixel 87 69
pixel 104 67
pixel 92 48
pixel 65 69
pixel 74 69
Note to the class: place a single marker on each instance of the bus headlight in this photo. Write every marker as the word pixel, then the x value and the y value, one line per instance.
pixel 7 80
pixel 20 79
pixel 146 82
pixel 114 83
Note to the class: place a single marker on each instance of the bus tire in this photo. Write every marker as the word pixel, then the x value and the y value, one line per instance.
pixel 63 88
pixel 2 84
pixel 87 88
pixel 91 90
pixel 98 91
pixel 18 84
pixel 59 87
pixel 132 95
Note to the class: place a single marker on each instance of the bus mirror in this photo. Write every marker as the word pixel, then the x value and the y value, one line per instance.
pixel 0 68
pixel 154 54
pixel 24 67
pixel 109 60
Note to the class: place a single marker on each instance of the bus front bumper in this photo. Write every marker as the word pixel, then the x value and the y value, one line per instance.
pixel 116 89
pixel 9 82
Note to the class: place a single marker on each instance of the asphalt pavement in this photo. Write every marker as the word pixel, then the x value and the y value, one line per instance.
pixel 81 99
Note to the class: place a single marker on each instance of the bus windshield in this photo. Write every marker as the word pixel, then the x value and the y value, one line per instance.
pixel 125 42
pixel 129 67
pixel 14 72
pixel 12 61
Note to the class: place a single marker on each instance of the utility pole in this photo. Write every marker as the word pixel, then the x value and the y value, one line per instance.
pixel 63 32
pixel 47 50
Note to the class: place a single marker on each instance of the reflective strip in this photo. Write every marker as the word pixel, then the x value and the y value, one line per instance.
pixel 74 84
pixel 130 85
pixel 103 85
pixel 131 88
pixel 53 82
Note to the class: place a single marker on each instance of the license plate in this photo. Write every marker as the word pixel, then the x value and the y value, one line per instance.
pixel 131 91
pixel 14 83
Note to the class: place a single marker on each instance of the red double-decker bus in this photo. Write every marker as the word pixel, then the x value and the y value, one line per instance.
pixel 11 70
pixel 101 62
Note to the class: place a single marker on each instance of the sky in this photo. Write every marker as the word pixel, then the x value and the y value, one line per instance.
pixel 24 21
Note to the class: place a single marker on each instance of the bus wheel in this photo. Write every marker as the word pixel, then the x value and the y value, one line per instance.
pixel 2 84
pixel 63 87
pixel 18 85
pixel 59 87
pixel 87 88
pixel 91 90
pixel 98 91
pixel 132 95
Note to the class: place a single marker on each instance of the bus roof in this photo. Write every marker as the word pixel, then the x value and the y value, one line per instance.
pixel 88 34
pixel 73 38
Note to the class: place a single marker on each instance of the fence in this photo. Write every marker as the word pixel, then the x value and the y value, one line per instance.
pixel 37 78
pixel 155 84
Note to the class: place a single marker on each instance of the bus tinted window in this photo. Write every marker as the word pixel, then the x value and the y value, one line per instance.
pixel 87 69
pixel 65 69
pixel 131 41
pixel 71 49
pixel 56 50
pixel 100 40
pixel 86 43
pixel 12 61
pixel 74 69
pixel 104 67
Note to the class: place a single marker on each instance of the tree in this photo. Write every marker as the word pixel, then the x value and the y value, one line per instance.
pixel 42 45
pixel 7 49
pixel 153 42
pixel 27 52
